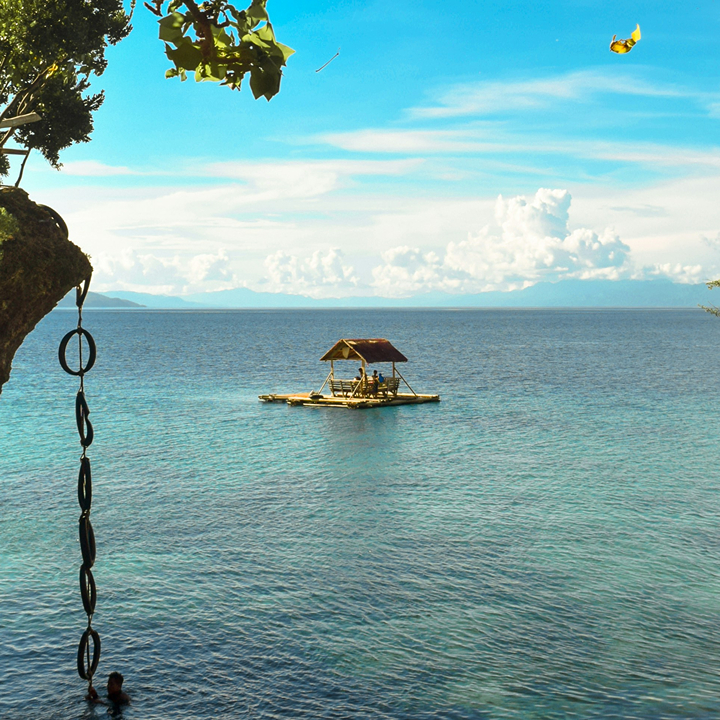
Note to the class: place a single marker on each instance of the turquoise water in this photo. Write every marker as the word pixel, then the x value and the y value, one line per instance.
pixel 543 543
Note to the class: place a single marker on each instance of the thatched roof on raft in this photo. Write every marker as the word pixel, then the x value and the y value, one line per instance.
pixel 371 350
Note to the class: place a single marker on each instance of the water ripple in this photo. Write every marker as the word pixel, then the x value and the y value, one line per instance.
pixel 541 544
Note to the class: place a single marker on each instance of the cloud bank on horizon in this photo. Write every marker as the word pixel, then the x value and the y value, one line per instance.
pixel 530 240
pixel 537 162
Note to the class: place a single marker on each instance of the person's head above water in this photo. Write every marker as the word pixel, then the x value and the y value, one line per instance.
pixel 114 688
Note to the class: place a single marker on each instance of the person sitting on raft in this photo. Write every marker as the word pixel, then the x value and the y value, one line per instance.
pixel 374 383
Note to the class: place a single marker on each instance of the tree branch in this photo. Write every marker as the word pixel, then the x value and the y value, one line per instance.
pixel 22 167
pixel 202 20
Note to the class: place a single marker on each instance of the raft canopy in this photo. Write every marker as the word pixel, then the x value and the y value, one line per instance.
pixel 372 350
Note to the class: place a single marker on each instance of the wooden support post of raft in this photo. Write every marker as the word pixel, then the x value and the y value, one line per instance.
pixel 404 380
pixel 326 381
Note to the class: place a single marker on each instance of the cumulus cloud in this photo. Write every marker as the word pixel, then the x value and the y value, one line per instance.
pixel 408 270
pixel 685 274
pixel 530 241
pixel 210 268
pixel 320 275
pixel 146 272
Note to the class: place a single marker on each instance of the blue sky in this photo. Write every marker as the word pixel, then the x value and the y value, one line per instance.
pixel 381 174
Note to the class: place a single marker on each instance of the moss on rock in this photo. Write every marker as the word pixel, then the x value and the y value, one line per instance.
pixel 38 267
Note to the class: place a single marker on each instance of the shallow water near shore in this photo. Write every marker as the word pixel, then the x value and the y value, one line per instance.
pixel 542 543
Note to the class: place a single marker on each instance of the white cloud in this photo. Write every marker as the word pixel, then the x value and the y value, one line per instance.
pixel 265 174
pixel 268 181
pixel 411 141
pixel 691 274
pixel 320 275
pixel 169 275
pixel 530 241
pixel 712 242
pixel 407 271
pixel 492 97
pixel 210 268
pixel 92 168
pixel 664 224
pixel 490 141
pixel 714 109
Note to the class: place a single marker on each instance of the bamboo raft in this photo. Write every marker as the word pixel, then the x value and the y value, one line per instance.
pixel 364 391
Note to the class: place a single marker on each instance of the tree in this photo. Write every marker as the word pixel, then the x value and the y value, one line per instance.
pixel 49 49
pixel 49 52
pixel 712 309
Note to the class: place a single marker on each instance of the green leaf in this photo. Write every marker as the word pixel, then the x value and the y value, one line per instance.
pixel 264 84
pixel 171 27
pixel 241 21
pixel 209 72
pixel 252 38
pixel 266 33
pixel 285 50
pixel 186 55
pixel 256 13
pixel 221 38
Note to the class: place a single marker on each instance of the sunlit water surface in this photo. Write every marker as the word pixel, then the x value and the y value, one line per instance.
pixel 543 543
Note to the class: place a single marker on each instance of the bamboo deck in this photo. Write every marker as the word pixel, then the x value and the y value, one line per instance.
pixel 355 403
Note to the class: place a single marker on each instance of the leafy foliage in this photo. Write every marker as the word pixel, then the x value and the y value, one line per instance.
pixel 227 43
pixel 67 117
pixel 712 309
pixel 8 225
pixel 48 51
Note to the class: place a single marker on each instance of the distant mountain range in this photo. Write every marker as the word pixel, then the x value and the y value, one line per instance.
pixel 166 302
pixel 566 293
pixel 97 300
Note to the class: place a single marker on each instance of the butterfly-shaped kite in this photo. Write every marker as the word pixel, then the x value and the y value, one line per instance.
pixel 625 46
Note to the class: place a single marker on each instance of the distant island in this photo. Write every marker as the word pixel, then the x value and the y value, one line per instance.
pixel 565 293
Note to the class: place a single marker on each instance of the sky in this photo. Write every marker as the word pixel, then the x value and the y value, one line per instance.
pixel 455 147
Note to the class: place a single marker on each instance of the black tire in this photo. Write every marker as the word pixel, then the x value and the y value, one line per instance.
pixel 84 426
pixel 85 485
pixel 88 590
pixel 63 347
pixel 57 218
pixel 83 672
pixel 87 541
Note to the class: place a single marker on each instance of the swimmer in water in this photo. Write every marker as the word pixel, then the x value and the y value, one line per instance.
pixel 114 691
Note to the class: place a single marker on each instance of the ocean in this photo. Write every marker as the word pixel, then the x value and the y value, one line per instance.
pixel 543 543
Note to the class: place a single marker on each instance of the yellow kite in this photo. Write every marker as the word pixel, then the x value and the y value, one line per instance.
pixel 625 46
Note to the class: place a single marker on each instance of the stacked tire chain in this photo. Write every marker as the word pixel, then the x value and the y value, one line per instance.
pixel 87 658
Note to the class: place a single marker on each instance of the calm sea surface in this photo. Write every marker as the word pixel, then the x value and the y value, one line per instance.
pixel 543 543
